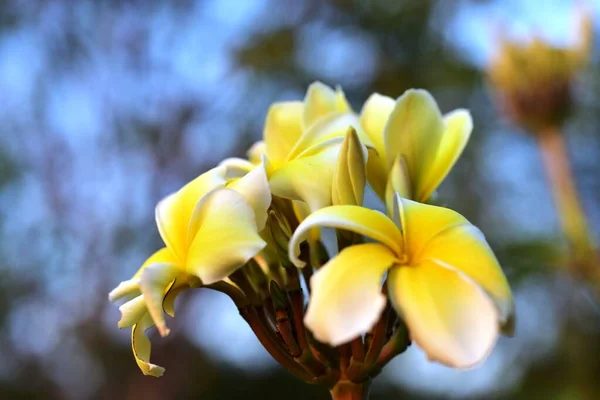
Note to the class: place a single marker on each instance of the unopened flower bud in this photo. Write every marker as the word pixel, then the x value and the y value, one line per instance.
pixel 280 232
pixel 533 81
pixel 350 177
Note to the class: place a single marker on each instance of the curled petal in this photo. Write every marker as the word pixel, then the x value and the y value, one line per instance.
pixel 254 186
pixel 154 283
pixel 458 126
pixel 256 151
pixel 141 348
pixel 132 312
pixel 236 167
pixel 449 316
pixel 357 219
pixel 131 288
pixel 173 213
pixel 283 128
pixel 125 289
pixel 346 297
pixel 227 236
pixel 414 130
pixel 176 287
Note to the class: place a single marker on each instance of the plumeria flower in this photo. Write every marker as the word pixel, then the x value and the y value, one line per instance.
pixel 416 145
pixel 302 141
pixel 210 228
pixel 442 278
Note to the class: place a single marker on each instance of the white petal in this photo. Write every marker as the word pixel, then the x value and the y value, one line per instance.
pixel 363 221
pixel 346 297
pixel 254 186
pixel 154 282
pixel 132 312
pixel 448 316
pixel 226 238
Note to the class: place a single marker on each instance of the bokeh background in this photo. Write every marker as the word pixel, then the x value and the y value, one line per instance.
pixel 106 106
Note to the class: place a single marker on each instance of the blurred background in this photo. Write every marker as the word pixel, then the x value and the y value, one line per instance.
pixel 107 106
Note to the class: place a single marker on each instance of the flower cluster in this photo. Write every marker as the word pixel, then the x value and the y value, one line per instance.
pixel 253 230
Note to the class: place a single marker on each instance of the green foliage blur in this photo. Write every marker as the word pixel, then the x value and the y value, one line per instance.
pixel 107 106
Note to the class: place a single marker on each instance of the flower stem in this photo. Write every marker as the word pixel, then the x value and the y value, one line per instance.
pixel 397 344
pixel 573 221
pixel 251 316
pixel 346 390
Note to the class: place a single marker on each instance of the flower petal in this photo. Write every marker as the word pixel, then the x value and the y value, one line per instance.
pixel 155 280
pixel 283 128
pixel 141 348
pixel 132 312
pixel 445 237
pixel 377 173
pixel 176 287
pixel 131 287
pixel 448 316
pixel 321 100
pixel 308 178
pixel 422 222
pixel 374 117
pixel 332 126
pixel 125 289
pixel 350 175
pixel 353 218
pixel 254 186
pixel 163 255
pixel 227 236
pixel 174 212
pixel 458 126
pixel 414 130
pixel 346 297
pixel 256 151
pixel 398 183
pixel 236 167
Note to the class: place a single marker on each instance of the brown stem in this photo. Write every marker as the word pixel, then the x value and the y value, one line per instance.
pixel 398 343
pixel 292 278
pixel 269 329
pixel 240 278
pixel 251 316
pixel 270 310
pixel 345 353
pixel 234 293
pixel 297 300
pixel 376 338
pixel 346 390
pixel 574 224
pixel 284 327
pixel 306 358
pixel 358 349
